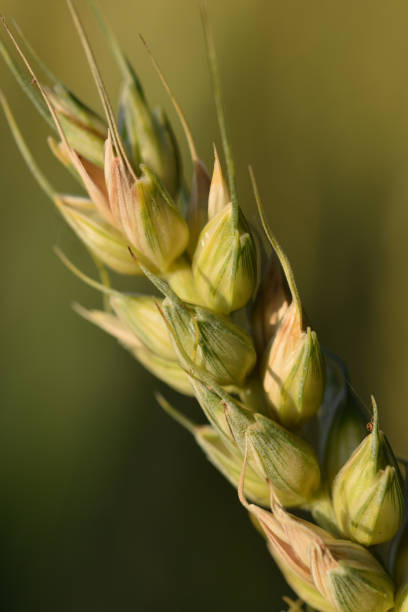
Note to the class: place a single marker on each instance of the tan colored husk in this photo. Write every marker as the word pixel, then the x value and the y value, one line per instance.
pixel 270 305
pixel 343 573
pixel 219 195
pixel 103 240
pixel 293 371
pixel 151 223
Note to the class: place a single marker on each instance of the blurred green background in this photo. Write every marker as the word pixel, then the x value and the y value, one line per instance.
pixel 105 503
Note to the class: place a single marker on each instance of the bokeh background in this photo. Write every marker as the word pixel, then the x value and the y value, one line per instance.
pixel 105 503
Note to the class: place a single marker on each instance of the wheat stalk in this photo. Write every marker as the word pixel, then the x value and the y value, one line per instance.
pixel 259 377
